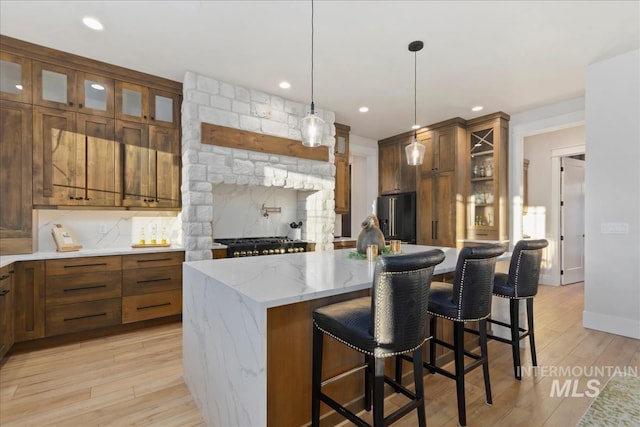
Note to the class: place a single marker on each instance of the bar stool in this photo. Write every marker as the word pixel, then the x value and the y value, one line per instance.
pixel 521 283
pixel 468 299
pixel 391 321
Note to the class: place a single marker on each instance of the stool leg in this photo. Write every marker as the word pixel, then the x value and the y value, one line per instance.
pixel 432 343
pixel 316 378
pixel 378 392
pixel 417 379
pixel 485 357
pixel 458 355
pixel 398 370
pixel 532 340
pixel 368 375
pixel 514 306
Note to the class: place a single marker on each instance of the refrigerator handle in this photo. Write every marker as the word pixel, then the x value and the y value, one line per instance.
pixel 395 204
pixel 390 228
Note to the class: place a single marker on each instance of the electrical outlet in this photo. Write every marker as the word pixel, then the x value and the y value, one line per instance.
pixel 102 229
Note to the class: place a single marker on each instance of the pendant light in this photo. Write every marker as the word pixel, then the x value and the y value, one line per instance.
pixel 415 150
pixel 312 126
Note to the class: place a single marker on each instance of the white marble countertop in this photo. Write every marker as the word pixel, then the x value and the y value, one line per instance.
pixel 8 259
pixel 277 280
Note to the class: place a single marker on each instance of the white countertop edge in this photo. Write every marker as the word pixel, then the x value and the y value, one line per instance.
pixel 9 259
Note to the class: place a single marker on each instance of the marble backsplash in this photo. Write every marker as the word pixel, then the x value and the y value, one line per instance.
pixel 106 229
pixel 237 211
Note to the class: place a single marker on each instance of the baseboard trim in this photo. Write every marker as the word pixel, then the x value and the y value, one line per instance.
pixel 612 324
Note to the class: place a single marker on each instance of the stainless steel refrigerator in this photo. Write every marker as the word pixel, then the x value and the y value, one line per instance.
pixel 397 216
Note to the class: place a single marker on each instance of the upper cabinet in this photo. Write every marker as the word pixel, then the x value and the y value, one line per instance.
pixel 15 78
pixel 343 177
pixel 64 88
pixel 487 192
pixel 394 174
pixel 147 105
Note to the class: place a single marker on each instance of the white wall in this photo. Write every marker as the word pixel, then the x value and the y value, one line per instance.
pixel 612 261
pixel 363 156
pixel 542 219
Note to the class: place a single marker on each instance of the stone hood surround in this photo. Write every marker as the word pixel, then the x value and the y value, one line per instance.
pixel 213 101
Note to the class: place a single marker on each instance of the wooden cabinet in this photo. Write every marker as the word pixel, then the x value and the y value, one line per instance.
pixel 152 286
pixel 82 294
pixel 395 175
pixel 487 193
pixel 147 105
pixel 76 159
pixel 440 210
pixel 60 87
pixel 6 310
pixel 29 300
pixel 151 165
pixel 15 78
pixel 15 177
pixel 343 176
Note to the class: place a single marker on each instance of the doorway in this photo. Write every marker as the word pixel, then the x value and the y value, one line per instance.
pixel 572 219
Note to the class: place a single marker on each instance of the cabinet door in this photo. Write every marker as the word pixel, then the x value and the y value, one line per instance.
pixel 445 205
pixel 138 163
pixel 132 102
pixel 445 142
pixel 388 168
pixel 58 159
pixel 15 78
pixel 427 165
pixel 15 177
pixel 425 210
pixel 101 166
pixel 96 94
pixel 407 173
pixel 342 186
pixel 482 202
pixel 6 311
pixel 164 108
pixel 165 183
pixel 54 86
pixel 29 300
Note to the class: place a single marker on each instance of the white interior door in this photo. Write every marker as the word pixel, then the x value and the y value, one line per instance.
pixel 572 220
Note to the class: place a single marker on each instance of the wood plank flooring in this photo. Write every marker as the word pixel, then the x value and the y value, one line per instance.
pixel 136 378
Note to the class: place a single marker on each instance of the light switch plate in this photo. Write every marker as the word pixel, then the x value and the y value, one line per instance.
pixel 614 228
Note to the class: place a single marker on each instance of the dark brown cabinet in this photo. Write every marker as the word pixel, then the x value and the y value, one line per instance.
pixel 143 104
pixel 6 310
pixel 15 177
pixel 15 78
pixel 395 175
pixel 29 300
pixel 343 177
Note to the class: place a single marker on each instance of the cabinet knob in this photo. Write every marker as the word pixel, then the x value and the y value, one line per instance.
pixel 144 117
pixel 79 105
pixel 70 103
pixel 153 118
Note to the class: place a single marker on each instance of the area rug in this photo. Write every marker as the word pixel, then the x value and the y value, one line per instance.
pixel 618 404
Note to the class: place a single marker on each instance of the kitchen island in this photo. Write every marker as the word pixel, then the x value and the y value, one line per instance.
pixel 247 332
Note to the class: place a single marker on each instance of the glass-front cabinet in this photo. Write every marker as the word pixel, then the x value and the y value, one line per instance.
pixel 487 192
pixel 60 87
pixel 146 105
pixel 15 78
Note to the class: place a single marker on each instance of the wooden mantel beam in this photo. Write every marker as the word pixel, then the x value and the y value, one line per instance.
pixel 245 140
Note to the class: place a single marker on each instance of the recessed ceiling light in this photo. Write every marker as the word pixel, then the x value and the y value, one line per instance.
pixel 363 109
pixel 284 85
pixel 416 126
pixel 19 87
pixel 92 23
pixel 96 86
pixel 477 108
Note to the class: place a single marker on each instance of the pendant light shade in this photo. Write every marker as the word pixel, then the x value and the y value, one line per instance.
pixel 312 126
pixel 415 150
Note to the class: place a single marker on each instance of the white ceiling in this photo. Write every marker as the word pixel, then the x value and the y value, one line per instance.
pixel 506 55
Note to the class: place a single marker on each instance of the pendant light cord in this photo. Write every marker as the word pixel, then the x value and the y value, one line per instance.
pixel 312 106
pixel 415 93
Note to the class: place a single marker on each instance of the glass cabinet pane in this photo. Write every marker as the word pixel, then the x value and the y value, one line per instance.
pixel 341 145
pixel 10 77
pixel 163 108
pixel 131 102
pixel 95 95
pixel 54 86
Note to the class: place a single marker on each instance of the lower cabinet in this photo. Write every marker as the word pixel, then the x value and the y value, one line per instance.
pixel 6 310
pixel 29 300
pixel 151 286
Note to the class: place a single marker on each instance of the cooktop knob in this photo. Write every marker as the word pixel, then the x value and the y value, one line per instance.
pixel 265 252
pixel 236 254
pixel 243 253
pixel 255 252
pixel 281 250
pixel 290 250
pixel 271 251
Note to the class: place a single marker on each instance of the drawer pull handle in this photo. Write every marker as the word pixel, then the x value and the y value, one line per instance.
pixel 4 276
pixel 154 306
pixel 153 260
pixel 3 293
pixel 86 265
pixel 155 280
pixel 84 288
pixel 85 317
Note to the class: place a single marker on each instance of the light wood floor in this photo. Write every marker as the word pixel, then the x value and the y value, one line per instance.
pixel 136 378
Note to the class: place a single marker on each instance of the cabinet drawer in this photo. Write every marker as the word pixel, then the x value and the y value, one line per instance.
pixel 64 319
pixel 146 280
pixel 159 259
pixel 83 265
pixel 82 287
pixel 150 306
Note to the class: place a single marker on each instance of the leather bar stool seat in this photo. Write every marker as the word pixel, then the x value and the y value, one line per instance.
pixel 391 321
